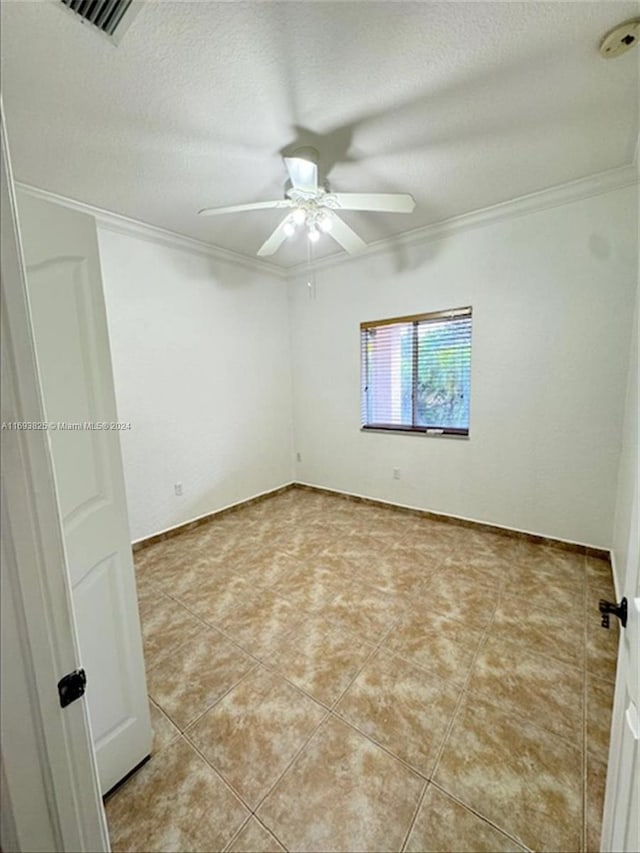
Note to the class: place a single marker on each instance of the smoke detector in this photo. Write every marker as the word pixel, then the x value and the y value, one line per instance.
pixel 621 39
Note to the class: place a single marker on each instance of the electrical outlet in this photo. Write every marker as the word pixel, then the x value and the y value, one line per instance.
pixel 178 489
pixel 396 473
pixel 299 457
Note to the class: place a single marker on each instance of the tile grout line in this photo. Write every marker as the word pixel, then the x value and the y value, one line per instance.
pixel 414 816
pixel 183 737
pixel 336 715
pixel 161 711
pixel 261 661
pixel 271 832
pixel 482 817
pixel 454 715
pixel 327 707
pixel 332 712
pixel 237 833
pixel 327 715
pixel 256 662
pixel 216 627
pixel 288 766
pixel 186 735
pixel 475 526
pixel 555 660
pixel 167 655
pixel 463 690
pixel 466 693
pixel 224 781
pixel 208 519
pixel 584 709
pixel 250 817
pixel 192 723
pixel 456 521
pixel 521 719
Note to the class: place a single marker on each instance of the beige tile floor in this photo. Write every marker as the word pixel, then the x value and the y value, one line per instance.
pixel 332 675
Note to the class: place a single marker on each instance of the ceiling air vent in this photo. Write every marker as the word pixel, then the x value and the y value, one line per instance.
pixel 107 15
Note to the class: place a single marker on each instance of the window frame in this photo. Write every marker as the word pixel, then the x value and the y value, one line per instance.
pixel 415 320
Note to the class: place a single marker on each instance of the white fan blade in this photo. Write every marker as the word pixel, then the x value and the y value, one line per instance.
pixel 344 235
pixel 273 243
pixel 382 202
pixel 238 208
pixel 303 174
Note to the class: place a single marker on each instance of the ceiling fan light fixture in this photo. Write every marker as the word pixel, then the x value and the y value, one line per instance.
pixel 325 223
pixel 313 208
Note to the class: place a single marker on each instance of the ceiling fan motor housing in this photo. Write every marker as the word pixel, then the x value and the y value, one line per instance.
pixel 306 153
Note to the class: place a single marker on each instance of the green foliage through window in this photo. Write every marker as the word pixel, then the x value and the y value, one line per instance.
pixel 417 373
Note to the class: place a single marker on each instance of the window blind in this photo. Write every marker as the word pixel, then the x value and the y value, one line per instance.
pixel 416 372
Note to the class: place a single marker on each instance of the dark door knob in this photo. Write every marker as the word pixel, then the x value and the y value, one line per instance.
pixel 608 607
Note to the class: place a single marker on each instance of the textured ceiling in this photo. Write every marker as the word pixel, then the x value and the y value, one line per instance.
pixel 462 104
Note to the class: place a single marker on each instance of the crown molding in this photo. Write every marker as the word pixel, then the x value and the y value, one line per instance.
pixel 119 224
pixel 582 188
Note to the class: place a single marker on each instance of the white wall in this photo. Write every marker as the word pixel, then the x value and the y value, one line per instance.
pixel 201 361
pixel 203 365
pixel 552 295
pixel 628 472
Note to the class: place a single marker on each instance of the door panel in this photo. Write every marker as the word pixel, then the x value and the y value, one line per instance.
pixel 621 819
pixel 62 289
pixel 99 585
pixel 69 319
pixel 49 798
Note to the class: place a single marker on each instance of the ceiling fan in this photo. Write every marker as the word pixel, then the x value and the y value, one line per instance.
pixel 314 207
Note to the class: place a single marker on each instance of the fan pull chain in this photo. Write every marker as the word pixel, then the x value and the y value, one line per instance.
pixel 311 271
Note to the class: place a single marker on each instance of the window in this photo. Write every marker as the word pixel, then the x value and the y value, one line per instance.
pixel 416 373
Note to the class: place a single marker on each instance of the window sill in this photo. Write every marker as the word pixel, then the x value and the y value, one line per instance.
pixel 429 433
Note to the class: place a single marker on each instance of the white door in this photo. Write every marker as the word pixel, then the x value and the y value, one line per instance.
pixel 72 346
pixel 49 797
pixel 621 820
